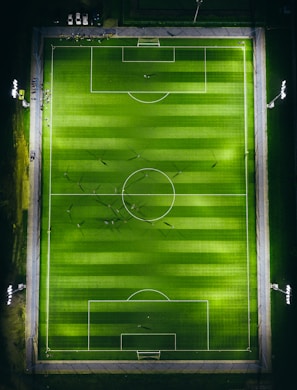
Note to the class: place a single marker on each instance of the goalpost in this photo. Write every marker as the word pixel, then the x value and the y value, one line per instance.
pixel 148 42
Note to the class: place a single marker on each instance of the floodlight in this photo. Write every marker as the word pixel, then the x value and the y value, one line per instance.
pixel 14 91
pixel 11 291
pixel 283 89
pixel 281 95
pixel 286 292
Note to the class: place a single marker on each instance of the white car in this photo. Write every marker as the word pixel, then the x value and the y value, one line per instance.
pixel 85 19
pixel 77 18
pixel 70 20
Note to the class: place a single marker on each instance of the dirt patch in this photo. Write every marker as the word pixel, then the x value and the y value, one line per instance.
pixel 21 176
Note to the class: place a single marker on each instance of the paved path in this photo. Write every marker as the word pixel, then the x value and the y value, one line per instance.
pixel 263 246
pixel 33 249
pixel 33 235
pixel 161 32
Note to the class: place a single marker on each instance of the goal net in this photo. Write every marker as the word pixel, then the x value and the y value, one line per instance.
pixel 148 42
pixel 148 355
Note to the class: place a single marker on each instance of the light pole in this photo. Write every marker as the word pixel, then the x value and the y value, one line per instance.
pixel 281 95
pixel 287 292
pixel 199 2
pixel 11 291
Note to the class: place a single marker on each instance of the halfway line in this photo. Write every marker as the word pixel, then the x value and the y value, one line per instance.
pixel 126 194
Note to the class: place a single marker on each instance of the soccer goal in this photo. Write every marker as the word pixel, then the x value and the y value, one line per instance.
pixel 148 42
pixel 148 355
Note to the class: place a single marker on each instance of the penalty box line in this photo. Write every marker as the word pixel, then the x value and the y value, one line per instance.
pixel 202 91
pixel 163 301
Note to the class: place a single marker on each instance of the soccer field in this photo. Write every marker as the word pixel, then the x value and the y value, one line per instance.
pixel 148 239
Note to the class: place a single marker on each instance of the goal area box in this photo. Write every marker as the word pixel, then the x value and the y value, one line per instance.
pixel 148 325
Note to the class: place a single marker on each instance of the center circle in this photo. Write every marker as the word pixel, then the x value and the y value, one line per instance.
pixel 148 194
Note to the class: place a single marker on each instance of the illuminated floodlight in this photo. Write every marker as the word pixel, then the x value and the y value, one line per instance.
pixel 281 95
pixel 287 292
pixel 283 89
pixel 10 291
pixel 9 294
pixel 14 91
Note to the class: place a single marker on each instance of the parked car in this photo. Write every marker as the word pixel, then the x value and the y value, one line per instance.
pixel 78 18
pixel 85 19
pixel 70 20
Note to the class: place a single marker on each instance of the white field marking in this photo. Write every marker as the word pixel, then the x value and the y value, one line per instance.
pixel 205 72
pixel 49 205
pixel 163 350
pixel 134 47
pixel 91 71
pixel 146 102
pixel 124 194
pixel 159 301
pixel 209 195
pixel 176 194
pixel 148 290
pixel 147 92
pixel 89 314
pixel 247 192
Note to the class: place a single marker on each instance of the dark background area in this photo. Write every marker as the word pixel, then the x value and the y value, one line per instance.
pixel 277 16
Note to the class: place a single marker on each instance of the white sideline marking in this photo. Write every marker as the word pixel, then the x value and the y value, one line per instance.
pixel 49 206
pixel 247 193
pixel 200 195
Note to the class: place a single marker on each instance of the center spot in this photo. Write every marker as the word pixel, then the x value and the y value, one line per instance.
pixel 148 194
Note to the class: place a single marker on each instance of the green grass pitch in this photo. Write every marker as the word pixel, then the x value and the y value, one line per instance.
pixel 148 204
